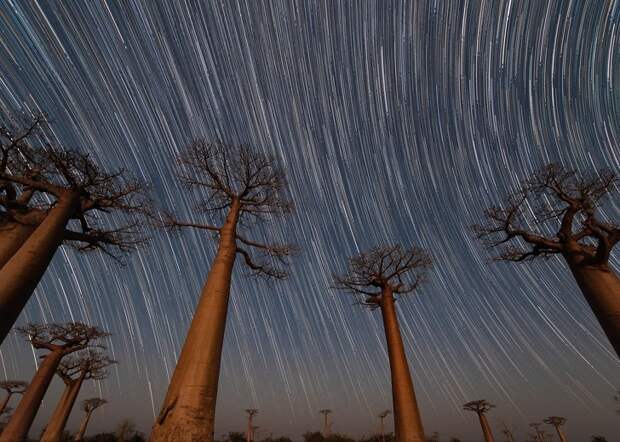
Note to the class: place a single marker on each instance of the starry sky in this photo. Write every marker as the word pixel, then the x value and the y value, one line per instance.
pixel 396 121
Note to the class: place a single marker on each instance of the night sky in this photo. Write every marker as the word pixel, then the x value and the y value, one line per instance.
pixel 395 122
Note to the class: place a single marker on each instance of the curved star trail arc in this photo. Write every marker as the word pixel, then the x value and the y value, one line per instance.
pixel 395 121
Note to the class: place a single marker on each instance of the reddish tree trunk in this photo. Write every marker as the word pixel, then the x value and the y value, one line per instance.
pixel 560 434
pixel 56 425
pixel 407 421
pixel 23 416
pixel 12 236
pixel 21 274
pixel 188 411
pixel 486 428
pixel 80 434
pixel 601 288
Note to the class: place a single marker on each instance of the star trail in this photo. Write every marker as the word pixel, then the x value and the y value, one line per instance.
pixel 396 121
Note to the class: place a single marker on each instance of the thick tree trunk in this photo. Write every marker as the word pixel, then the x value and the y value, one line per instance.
pixel 601 288
pixel 21 420
pixel 486 428
pixel 5 402
pixel 80 434
pixel 188 411
pixel 12 236
pixel 56 425
pixel 21 274
pixel 407 421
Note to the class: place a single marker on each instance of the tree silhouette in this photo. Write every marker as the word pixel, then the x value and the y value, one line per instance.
pixel 539 433
pixel 74 370
pixel 556 212
pixel 88 406
pixel 11 388
pixel 251 413
pixel 557 422
pixel 72 195
pixel 59 340
pixel 379 276
pixel 326 424
pixel 246 187
pixel 481 407
pixel 382 417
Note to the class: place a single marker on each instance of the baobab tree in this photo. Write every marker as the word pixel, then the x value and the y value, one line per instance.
pixel 506 432
pixel 88 406
pixel 556 422
pixel 539 433
pixel 11 388
pixel 59 340
pixel 382 417
pixel 481 408
pixel 556 212
pixel 326 425
pixel 242 187
pixel 76 202
pixel 251 413
pixel 380 276
pixel 74 370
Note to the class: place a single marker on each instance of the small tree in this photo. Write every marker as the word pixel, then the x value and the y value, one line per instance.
pixel 59 340
pixel 88 406
pixel 382 417
pixel 251 413
pixel 246 187
pixel 74 370
pixel 379 276
pixel 71 195
pixel 11 388
pixel 326 424
pixel 555 212
pixel 557 422
pixel 481 408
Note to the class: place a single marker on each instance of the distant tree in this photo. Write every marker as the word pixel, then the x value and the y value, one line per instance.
pixel 59 340
pixel 326 424
pixel 481 408
pixel 249 433
pixel 11 388
pixel 539 433
pixel 72 195
pixel 101 437
pixel 380 276
pixel 598 439
pixel 126 432
pixel 556 422
pixel 235 436
pixel 556 212
pixel 88 406
pixel 382 417
pixel 387 437
pixel 74 370
pixel 455 439
pixel 434 437
pixel 246 187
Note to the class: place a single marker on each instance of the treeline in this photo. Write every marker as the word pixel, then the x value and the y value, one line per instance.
pixel 52 197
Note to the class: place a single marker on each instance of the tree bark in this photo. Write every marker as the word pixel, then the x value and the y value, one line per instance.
pixel 58 421
pixel 486 428
pixel 601 288
pixel 407 421
pixel 80 434
pixel 23 416
pixel 21 274
pixel 12 236
pixel 188 411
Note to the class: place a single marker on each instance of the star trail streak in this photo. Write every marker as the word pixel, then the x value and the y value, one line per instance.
pixel 396 121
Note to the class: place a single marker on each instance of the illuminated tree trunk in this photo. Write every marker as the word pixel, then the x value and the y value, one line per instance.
pixel 486 428
pixel 601 288
pixel 23 416
pixel 80 434
pixel 12 236
pixel 188 411
pixel 55 427
pixel 407 421
pixel 21 274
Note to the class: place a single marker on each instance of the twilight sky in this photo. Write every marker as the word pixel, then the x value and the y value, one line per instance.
pixel 396 122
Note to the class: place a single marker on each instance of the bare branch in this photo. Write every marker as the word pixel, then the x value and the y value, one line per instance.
pixel 68 338
pixel 480 406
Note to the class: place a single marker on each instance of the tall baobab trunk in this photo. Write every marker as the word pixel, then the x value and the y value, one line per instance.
pixel 12 236
pixel 21 274
pixel 55 427
pixel 188 411
pixel 23 416
pixel 80 434
pixel 486 428
pixel 601 288
pixel 407 421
